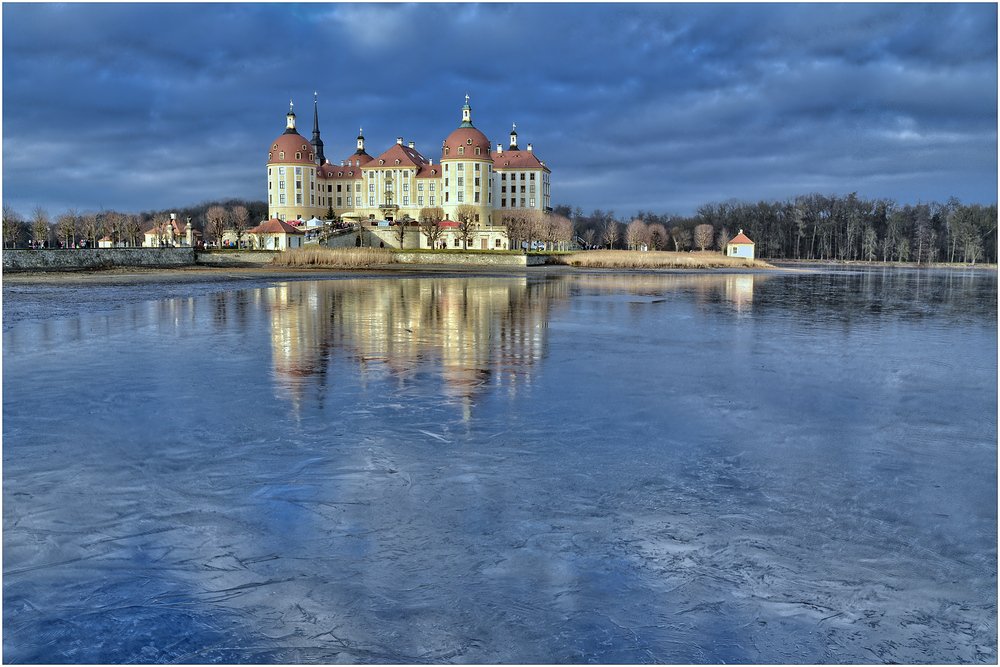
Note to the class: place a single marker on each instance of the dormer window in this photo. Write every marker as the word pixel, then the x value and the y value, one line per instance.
pixel 446 151
pixel 281 155
pixel 397 161
pixel 303 146
pixel 468 141
pixel 461 150
pixel 274 147
pixel 298 156
pixel 477 150
pixel 269 156
pixel 381 161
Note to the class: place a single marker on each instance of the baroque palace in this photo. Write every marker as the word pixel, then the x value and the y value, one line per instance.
pixel 469 180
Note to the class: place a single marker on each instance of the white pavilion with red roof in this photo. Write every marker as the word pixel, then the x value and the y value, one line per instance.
pixel 740 246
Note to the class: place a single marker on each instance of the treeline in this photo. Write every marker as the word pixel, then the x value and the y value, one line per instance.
pixel 810 227
pixel 73 227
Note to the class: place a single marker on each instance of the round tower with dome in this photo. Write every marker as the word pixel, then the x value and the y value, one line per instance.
pixel 467 173
pixel 291 174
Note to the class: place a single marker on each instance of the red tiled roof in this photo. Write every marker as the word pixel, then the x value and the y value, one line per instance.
pixel 741 238
pixel 407 156
pixel 429 171
pixel 275 226
pixel 469 138
pixel 291 143
pixel 516 159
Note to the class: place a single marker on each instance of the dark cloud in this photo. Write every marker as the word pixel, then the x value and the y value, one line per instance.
pixel 647 106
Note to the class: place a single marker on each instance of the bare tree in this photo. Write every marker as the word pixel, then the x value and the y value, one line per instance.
pixel 515 222
pixel 13 226
pixel 66 226
pixel 560 231
pixel 635 234
pixel 91 227
pixel 430 224
pixel 159 230
pixel 239 216
pixel 40 225
pixel 589 235
pixel 400 230
pixel 703 236
pixel 722 239
pixel 114 225
pixel 609 232
pixel 466 215
pixel 217 217
pixel 133 228
pixel 681 237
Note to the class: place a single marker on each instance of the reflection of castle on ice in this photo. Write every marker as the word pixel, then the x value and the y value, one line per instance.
pixel 474 332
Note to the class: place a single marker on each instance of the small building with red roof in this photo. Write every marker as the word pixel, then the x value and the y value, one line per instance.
pixel 277 234
pixel 740 246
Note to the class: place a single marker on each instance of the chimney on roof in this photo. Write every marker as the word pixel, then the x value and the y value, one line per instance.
pixel 529 148
pixel 411 144
pixel 499 148
pixel 341 163
pixel 399 140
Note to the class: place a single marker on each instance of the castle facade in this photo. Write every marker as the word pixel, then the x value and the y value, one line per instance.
pixel 470 182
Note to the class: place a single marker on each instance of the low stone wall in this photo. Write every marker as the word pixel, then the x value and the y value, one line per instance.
pixel 466 258
pixel 235 257
pixel 53 259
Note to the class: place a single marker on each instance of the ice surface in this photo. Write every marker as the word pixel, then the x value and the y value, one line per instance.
pixel 604 468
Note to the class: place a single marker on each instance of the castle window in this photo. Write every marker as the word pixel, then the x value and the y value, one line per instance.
pixel 477 200
pixel 274 147
pixel 461 150
pixel 298 198
pixel 432 200
pixel 281 184
pixel 477 150
pixel 298 156
pixel 468 141
pixel 503 177
pixel 531 202
pixel 420 186
pixel 339 188
pixel 461 181
pixel 461 166
pixel 381 161
pixel 269 159
pixel 303 146
pixel 532 176
pixel 298 185
pixel 461 196
pixel 298 171
pixel 397 160
pixel 432 186
pixel 281 155
pixel 281 199
pixel 446 151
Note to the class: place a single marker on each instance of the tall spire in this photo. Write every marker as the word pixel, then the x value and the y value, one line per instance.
pixel 316 141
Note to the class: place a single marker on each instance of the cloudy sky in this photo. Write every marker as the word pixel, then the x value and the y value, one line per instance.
pixel 660 107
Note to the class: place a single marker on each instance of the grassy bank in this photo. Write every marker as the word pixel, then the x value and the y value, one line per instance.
pixel 341 258
pixel 629 259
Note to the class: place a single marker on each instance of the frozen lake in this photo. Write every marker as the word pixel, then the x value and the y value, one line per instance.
pixel 545 468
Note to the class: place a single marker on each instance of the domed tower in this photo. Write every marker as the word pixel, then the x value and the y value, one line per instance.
pixel 291 175
pixel 467 171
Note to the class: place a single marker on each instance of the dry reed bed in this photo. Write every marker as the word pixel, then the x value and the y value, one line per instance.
pixel 630 259
pixel 350 258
